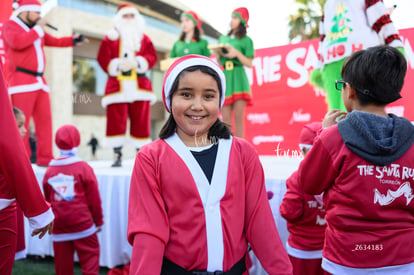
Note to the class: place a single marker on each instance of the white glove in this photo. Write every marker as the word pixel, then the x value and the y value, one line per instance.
pixel 127 64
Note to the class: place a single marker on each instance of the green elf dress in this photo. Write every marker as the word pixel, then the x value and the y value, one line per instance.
pixel 237 84
pixel 182 48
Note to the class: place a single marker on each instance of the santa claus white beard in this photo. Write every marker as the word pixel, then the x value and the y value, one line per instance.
pixel 131 36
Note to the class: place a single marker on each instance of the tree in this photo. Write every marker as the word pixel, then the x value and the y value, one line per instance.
pixel 304 24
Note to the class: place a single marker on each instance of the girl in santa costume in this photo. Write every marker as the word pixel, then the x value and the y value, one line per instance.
pixel 21 246
pixel 197 194
pixel 237 52
pixel 190 41
pixel 348 26
pixel 126 54
pixel 364 165
pixel 24 38
pixel 305 216
pixel 71 187
pixel 18 184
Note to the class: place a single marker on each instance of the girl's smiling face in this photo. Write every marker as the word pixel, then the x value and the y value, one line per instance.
pixel 195 106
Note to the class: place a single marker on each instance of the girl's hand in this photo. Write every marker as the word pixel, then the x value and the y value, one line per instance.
pixel 42 231
pixel 332 117
pixel 231 52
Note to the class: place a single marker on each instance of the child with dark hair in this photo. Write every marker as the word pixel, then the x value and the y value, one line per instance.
pixel 364 165
pixel 238 51
pixel 197 194
pixel 305 216
pixel 190 41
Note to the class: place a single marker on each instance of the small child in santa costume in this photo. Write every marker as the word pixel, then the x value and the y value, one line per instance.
pixel 190 41
pixel 71 187
pixel 197 194
pixel 305 216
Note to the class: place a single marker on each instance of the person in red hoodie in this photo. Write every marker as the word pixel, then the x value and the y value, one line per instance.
pixel 24 38
pixel 18 184
pixel 305 216
pixel 364 164
pixel 71 187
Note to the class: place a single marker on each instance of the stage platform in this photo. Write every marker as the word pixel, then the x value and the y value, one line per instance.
pixel 114 188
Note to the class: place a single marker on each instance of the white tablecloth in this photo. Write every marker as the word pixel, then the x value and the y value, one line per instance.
pixel 114 189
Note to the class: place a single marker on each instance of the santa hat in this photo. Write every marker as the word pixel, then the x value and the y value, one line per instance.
pixel 308 134
pixel 243 14
pixel 194 17
pixel 126 9
pixel 180 65
pixel 27 5
pixel 67 137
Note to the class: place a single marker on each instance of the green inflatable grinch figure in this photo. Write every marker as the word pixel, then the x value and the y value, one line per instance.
pixel 348 26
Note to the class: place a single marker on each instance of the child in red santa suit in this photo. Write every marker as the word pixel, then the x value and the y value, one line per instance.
pixel 18 184
pixel 24 38
pixel 126 54
pixel 71 187
pixel 305 216
pixel 197 194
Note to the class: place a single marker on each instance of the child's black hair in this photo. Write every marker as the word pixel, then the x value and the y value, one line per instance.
pixel 196 35
pixel 240 32
pixel 218 130
pixel 377 74
pixel 17 111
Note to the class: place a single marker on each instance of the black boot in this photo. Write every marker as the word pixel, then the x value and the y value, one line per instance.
pixel 118 156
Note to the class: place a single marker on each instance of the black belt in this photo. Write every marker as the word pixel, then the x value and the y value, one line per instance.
pixel 141 75
pixel 23 70
pixel 170 268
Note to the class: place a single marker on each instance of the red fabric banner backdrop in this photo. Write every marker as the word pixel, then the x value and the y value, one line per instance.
pixel 284 101
pixel 5 13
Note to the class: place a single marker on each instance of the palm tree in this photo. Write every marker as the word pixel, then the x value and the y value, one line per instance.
pixel 304 24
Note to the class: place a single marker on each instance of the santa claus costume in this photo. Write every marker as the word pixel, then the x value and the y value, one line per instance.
pixel 126 54
pixel 305 216
pixel 71 187
pixel 196 208
pixel 25 59
pixel 17 184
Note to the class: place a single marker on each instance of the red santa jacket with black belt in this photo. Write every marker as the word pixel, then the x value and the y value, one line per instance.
pixel 24 49
pixel 119 89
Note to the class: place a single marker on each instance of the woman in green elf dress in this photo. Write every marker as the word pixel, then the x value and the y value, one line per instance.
pixel 190 41
pixel 236 53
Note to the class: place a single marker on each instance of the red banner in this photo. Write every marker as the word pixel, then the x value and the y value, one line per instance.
pixel 284 100
pixel 5 12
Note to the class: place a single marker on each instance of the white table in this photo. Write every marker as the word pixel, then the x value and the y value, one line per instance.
pixel 114 189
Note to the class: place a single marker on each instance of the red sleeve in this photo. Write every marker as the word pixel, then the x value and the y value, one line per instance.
pixel 292 206
pixel 52 41
pixel 16 37
pixel 105 54
pixel 260 226
pixel 148 226
pixel 47 189
pixel 148 51
pixel 14 162
pixel 92 195
pixel 316 171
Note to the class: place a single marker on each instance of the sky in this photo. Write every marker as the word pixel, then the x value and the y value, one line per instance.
pixel 268 23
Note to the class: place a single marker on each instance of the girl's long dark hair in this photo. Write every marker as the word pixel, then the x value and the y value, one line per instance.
pixel 218 130
pixel 196 35
pixel 240 32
